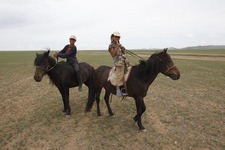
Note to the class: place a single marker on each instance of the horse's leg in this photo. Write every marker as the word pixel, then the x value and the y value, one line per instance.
pixel 91 96
pixel 67 102
pixel 106 97
pixel 140 106
pixel 63 99
pixel 97 97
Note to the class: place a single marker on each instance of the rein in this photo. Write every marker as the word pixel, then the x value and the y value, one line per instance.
pixel 139 57
pixel 134 55
pixel 46 69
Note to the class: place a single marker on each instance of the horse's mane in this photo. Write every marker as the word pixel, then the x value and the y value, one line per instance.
pixel 51 60
pixel 41 57
pixel 148 67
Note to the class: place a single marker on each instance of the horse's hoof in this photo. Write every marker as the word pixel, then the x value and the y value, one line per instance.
pixel 68 116
pixel 113 116
pixel 99 114
pixel 143 130
pixel 87 111
pixel 68 113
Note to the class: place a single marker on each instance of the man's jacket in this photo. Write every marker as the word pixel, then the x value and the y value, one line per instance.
pixel 69 52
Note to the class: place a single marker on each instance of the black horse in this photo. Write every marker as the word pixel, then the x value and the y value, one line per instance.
pixel 140 79
pixel 62 74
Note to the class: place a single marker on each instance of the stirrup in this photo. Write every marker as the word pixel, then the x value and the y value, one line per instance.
pixel 80 88
pixel 124 92
pixel 119 93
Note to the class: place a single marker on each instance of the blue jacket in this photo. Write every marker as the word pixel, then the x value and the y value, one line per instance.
pixel 69 53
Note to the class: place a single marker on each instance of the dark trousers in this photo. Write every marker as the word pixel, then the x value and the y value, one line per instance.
pixel 77 72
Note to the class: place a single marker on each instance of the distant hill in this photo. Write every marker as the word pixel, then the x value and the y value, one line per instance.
pixel 206 47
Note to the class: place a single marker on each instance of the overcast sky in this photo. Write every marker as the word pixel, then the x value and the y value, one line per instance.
pixel 39 24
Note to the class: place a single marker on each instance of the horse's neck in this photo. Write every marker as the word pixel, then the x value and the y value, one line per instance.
pixel 51 61
pixel 52 72
pixel 151 71
pixel 152 78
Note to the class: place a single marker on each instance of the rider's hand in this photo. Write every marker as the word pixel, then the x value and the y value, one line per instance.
pixel 55 55
pixel 123 49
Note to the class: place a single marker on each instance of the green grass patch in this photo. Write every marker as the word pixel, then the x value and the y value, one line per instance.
pixel 183 114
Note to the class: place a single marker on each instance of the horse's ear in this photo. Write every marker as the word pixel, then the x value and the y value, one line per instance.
pixel 36 54
pixel 162 53
pixel 165 50
pixel 47 53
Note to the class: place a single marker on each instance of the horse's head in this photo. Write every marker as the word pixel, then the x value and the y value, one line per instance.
pixel 168 68
pixel 42 64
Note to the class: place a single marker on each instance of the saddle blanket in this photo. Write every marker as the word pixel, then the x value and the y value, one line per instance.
pixel 113 78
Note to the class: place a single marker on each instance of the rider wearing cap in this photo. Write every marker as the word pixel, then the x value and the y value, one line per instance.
pixel 69 52
pixel 118 52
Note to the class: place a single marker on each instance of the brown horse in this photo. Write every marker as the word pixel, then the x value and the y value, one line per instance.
pixel 140 79
pixel 62 75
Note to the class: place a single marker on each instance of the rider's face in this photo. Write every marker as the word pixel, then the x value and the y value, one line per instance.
pixel 72 41
pixel 116 38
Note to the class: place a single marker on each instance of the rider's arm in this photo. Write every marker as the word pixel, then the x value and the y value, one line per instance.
pixel 113 49
pixel 63 54
pixel 123 49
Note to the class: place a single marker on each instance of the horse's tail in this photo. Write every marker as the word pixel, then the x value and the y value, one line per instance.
pixel 91 92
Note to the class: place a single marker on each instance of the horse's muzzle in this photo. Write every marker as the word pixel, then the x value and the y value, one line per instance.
pixel 175 77
pixel 37 78
pixel 174 73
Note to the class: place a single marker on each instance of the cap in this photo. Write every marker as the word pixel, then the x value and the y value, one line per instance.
pixel 73 37
pixel 116 34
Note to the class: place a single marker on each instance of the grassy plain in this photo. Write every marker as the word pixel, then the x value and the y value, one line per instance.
pixel 185 114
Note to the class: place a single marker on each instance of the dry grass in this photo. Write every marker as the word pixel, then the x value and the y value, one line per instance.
pixel 184 114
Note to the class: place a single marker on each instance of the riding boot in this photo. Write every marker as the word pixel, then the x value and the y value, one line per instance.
pixel 79 78
pixel 78 75
pixel 123 90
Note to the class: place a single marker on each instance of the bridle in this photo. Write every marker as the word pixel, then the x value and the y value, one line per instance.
pixel 47 69
pixel 168 67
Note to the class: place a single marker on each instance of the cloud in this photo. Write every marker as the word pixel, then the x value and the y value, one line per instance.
pixel 190 36
pixel 33 24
